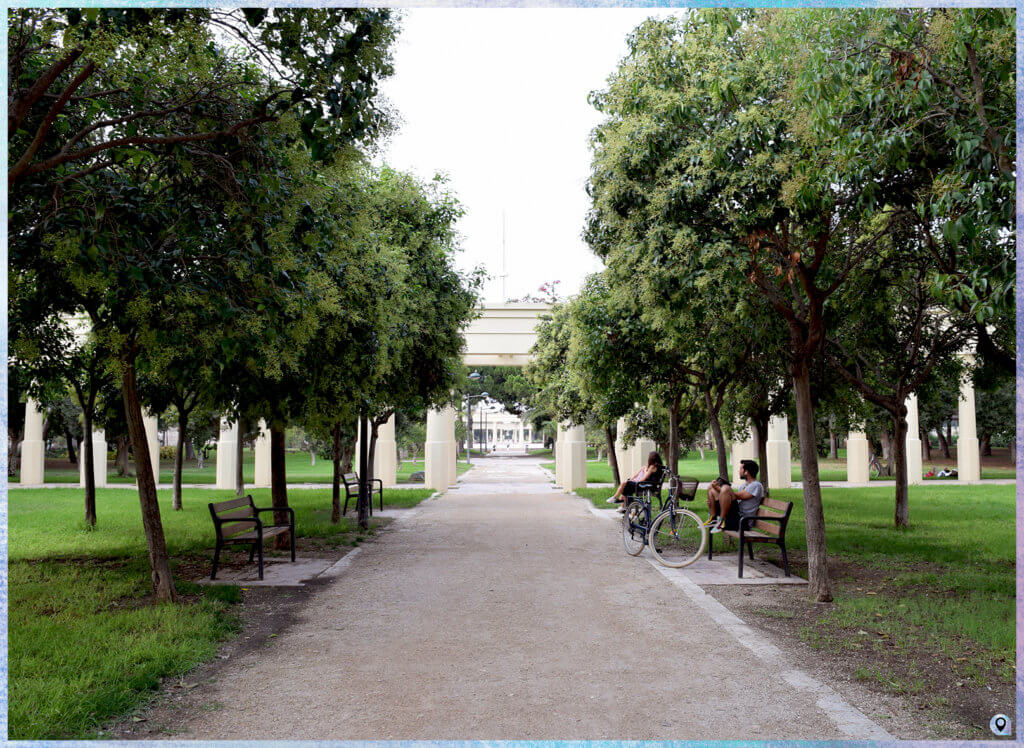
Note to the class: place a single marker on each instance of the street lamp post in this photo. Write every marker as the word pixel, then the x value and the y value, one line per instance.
pixel 469 422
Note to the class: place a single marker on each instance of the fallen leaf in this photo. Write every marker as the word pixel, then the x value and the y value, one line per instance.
pixel 138 719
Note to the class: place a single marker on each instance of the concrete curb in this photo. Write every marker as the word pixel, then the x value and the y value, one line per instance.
pixel 847 718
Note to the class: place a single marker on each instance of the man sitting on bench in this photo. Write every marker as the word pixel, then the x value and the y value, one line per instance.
pixel 726 505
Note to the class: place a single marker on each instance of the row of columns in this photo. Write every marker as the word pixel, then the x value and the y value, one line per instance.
pixel 570 450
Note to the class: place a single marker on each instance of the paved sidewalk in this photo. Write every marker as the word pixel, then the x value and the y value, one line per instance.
pixel 505 610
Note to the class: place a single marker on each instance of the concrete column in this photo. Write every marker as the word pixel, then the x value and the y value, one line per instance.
pixel 437 449
pixel 150 423
pixel 744 450
pixel 574 455
pixel 777 447
pixel 227 443
pixel 559 460
pixel 622 455
pixel 385 456
pixel 639 451
pixel 968 460
pixel 857 457
pixel 99 460
pixel 915 474
pixel 262 457
pixel 33 449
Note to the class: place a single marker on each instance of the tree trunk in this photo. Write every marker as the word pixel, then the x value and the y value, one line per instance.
pixel 899 463
pixel 363 504
pixel 1013 452
pixel 949 434
pixel 887 448
pixel 278 481
pixel 89 468
pixel 926 446
pixel 943 443
pixel 239 466
pixel 348 453
pixel 370 452
pixel 159 562
pixel 760 426
pixel 179 459
pixel 673 434
pixel 70 439
pixel 336 478
pixel 814 514
pixel 716 431
pixel 833 445
pixel 190 452
pixel 986 446
pixel 121 456
pixel 613 459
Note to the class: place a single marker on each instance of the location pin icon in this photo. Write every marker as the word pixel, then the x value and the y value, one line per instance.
pixel 1000 725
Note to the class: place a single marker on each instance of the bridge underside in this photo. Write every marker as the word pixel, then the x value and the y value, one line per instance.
pixel 503 335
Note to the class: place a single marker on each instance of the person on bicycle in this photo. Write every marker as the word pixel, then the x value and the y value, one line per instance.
pixel 727 505
pixel 650 473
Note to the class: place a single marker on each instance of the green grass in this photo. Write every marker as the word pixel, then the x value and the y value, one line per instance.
pixel 297 468
pixel 87 644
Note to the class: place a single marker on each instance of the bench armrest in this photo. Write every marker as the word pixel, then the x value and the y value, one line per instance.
pixel 277 509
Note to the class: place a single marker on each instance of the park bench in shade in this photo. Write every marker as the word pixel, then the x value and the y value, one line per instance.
pixel 237 522
pixel 769 526
pixel 352 490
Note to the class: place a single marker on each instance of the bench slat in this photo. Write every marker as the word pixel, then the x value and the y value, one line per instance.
pixel 232 504
pixel 751 535
pixel 781 506
pixel 268 532
pixel 244 513
pixel 770 528
pixel 235 527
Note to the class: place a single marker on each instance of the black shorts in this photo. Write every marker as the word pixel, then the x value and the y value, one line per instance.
pixel 630 489
pixel 732 520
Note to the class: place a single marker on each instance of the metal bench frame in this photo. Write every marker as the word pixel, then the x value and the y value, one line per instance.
pixel 753 530
pixel 351 481
pixel 246 528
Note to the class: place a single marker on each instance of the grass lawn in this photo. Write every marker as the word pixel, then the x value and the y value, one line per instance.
pixel 87 643
pixel 297 467
pixel 707 469
pixel 940 592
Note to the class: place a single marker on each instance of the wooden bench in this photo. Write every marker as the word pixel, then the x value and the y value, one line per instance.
pixel 352 490
pixel 769 526
pixel 237 522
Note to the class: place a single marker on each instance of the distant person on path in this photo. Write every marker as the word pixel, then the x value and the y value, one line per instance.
pixel 647 474
pixel 727 505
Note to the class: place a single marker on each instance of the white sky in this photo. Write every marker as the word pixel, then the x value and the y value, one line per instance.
pixel 497 100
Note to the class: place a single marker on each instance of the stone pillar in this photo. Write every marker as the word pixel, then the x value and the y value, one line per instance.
pixel 622 453
pixel 915 474
pixel 453 445
pixel 574 455
pixel 227 443
pixel 99 460
pixel 857 457
pixel 437 448
pixel 777 447
pixel 33 449
pixel 639 451
pixel 152 426
pixel 385 456
pixel 559 459
pixel 968 460
pixel 261 478
pixel 744 450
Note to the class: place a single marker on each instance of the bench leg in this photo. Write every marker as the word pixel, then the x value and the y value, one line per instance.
pixel 711 542
pixel 381 493
pixel 216 558
pixel 345 509
pixel 750 547
pixel 291 534
pixel 785 559
pixel 252 551
pixel 259 549
pixel 741 558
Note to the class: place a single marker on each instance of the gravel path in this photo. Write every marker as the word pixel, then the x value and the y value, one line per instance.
pixel 507 610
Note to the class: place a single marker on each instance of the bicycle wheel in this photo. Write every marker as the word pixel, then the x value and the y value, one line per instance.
pixel 876 469
pixel 677 537
pixel 634 528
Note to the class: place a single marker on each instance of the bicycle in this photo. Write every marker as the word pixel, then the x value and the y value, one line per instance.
pixel 874 467
pixel 676 536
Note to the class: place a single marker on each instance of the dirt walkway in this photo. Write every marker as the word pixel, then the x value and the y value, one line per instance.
pixel 507 610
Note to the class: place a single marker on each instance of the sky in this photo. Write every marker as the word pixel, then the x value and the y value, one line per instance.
pixel 496 99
